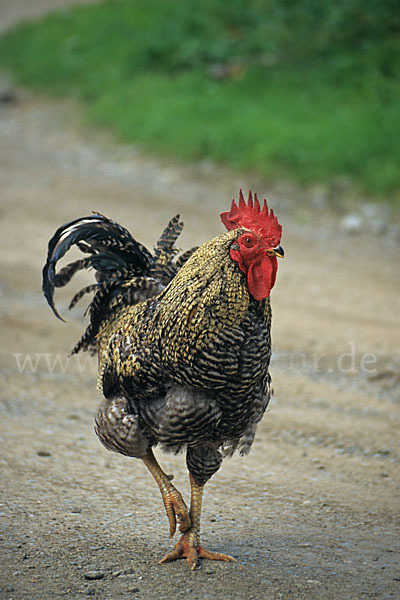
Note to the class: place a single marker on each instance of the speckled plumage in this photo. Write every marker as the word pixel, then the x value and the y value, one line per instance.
pixel 183 347
pixel 187 367
pixel 192 363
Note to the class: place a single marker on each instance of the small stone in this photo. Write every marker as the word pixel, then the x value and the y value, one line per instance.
pixel 351 223
pixel 43 453
pixel 92 575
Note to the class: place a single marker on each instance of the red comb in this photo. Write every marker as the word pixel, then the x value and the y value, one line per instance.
pixel 253 217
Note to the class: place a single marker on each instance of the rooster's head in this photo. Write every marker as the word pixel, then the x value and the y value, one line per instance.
pixel 257 246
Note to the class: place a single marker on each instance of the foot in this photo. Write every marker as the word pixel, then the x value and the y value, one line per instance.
pixel 176 510
pixel 189 548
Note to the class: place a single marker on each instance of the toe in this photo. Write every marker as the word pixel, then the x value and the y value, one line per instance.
pixel 176 553
pixel 176 510
pixel 214 555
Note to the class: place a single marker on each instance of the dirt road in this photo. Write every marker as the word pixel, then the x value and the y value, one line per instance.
pixel 311 512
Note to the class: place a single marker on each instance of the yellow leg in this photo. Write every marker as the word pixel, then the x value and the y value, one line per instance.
pixel 175 506
pixel 188 545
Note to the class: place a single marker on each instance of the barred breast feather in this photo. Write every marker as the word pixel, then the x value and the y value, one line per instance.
pixel 192 363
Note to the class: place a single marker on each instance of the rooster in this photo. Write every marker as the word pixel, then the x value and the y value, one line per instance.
pixel 183 345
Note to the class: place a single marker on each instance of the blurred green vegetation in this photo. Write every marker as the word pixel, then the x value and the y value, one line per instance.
pixel 302 88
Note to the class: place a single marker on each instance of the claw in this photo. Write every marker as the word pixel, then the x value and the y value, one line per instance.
pixel 174 504
pixel 214 555
pixel 186 547
pixel 176 510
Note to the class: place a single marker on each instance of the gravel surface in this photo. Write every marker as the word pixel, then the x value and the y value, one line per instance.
pixel 311 512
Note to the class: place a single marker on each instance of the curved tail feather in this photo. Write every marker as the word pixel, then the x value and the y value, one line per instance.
pixel 126 272
pixel 111 247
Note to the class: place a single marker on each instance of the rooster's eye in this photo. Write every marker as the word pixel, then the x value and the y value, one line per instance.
pixel 248 242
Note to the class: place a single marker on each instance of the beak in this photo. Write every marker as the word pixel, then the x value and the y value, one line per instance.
pixel 278 251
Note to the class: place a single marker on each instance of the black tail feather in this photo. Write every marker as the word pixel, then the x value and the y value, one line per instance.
pixel 86 290
pixel 126 272
pixel 111 247
pixel 66 273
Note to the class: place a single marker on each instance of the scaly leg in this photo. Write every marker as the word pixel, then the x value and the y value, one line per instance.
pixel 188 545
pixel 174 504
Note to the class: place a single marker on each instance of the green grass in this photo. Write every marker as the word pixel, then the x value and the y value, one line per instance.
pixel 291 104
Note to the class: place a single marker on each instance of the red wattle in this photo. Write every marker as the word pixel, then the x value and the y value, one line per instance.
pixel 261 277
